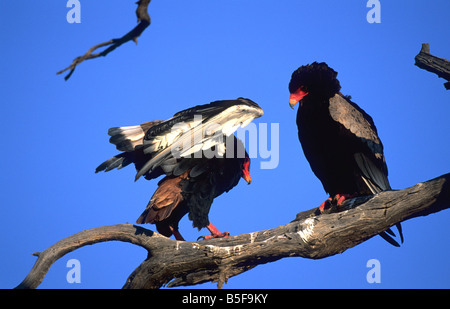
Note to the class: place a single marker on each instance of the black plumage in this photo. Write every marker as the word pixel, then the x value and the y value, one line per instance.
pixel 192 187
pixel 339 139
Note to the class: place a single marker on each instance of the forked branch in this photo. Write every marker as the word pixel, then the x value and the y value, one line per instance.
pixel 143 20
pixel 177 263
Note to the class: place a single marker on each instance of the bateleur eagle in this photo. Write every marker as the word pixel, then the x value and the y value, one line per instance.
pixel 198 154
pixel 339 139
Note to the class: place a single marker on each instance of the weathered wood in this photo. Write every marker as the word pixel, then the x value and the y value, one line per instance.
pixel 178 263
pixel 439 66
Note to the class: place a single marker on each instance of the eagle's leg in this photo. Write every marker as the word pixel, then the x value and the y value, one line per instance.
pixel 176 233
pixel 215 233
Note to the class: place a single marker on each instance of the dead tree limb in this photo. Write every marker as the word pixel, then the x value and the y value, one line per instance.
pixel 183 263
pixel 144 21
pixel 439 66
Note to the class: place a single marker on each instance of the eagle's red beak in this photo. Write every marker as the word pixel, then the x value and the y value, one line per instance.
pixel 296 97
pixel 246 171
pixel 247 177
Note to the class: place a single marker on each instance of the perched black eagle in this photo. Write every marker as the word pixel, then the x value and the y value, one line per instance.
pixel 339 139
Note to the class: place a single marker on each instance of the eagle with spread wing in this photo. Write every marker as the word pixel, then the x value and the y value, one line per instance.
pixel 198 155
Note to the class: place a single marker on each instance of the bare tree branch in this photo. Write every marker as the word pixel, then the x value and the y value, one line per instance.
pixel 183 263
pixel 120 232
pixel 439 66
pixel 143 20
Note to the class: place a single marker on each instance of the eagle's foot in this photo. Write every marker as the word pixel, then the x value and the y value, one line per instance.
pixel 215 233
pixel 333 204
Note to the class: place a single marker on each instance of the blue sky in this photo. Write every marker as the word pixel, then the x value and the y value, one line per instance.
pixel 55 132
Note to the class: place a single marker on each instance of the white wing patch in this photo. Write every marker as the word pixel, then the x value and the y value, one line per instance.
pixel 161 142
pixel 126 138
pixel 187 138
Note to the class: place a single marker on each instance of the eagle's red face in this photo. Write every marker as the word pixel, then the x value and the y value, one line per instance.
pixel 297 96
pixel 246 170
